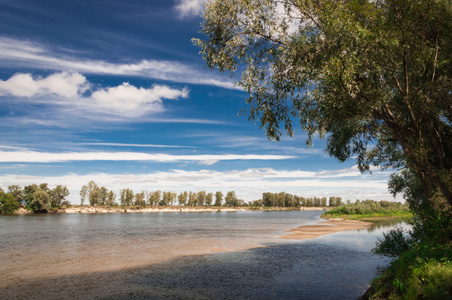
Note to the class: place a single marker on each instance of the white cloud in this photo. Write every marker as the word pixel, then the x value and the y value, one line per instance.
pixel 188 8
pixel 307 184
pixel 59 84
pixel 17 53
pixel 208 162
pixel 67 89
pixel 127 97
pixel 47 157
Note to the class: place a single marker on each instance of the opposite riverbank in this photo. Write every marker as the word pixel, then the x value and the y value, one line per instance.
pixel 158 209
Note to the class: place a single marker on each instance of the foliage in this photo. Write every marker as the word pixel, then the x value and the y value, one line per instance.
pixel 111 198
pixel 29 190
pixel 394 242
pixel 127 197
pixel 154 197
pixel 17 193
pixel 209 199
pixel 368 207
pixel 140 199
pixel 169 198
pixel 29 197
pixel 103 194
pixel 202 196
pixel 374 77
pixel 96 195
pixel 231 199
pixel 423 272
pixel 432 216
pixel 192 198
pixel 41 201
pixel 58 195
pixel 183 197
pixel 284 199
pixel 8 204
pixel 218 198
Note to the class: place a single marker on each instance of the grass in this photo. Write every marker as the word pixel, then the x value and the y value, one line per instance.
pixel 370 216
pixel 423 272
pixel 369 210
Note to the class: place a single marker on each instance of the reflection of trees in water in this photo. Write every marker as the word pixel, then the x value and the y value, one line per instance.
pixel 389 222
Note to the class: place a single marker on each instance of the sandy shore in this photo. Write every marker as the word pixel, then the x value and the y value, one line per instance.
pixel 327 227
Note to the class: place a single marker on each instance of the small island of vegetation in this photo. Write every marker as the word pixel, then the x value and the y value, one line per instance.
pixel 369 210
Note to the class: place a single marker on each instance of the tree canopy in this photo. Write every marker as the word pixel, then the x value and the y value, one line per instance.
pixel 373 77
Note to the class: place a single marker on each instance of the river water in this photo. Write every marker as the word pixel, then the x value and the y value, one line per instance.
pixel 209 255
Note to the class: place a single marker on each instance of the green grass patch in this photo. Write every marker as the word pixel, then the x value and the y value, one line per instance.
pixel 423 272
pixel 403 215
pixel 369 210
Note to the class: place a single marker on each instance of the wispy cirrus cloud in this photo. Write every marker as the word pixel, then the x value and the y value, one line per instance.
pixel 18 53
pixel 48 157
pixel 133 145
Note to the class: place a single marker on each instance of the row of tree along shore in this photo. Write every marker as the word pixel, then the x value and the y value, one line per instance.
pixel 40 198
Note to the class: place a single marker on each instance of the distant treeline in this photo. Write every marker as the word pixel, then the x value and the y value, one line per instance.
pixel 40 198
pixel 37 198
pixel 288 200
pixel 101 196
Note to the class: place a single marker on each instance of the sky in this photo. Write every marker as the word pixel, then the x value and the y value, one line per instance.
pixel 115 91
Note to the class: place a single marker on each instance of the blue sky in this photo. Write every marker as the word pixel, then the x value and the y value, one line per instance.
pixel 114 91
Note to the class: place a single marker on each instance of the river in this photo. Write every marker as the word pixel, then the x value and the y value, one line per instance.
pixel 210 255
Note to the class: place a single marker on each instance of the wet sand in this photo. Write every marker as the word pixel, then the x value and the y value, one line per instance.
pixel 327 227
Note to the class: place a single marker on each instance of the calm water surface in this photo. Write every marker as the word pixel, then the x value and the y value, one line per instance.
pixel 211 255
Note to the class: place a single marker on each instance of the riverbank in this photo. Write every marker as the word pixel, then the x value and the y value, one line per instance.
pixel 158 209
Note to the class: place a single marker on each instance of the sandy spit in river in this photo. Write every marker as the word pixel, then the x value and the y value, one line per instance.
pixel 327 227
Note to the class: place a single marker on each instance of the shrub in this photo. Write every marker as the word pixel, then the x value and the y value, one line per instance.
pixel 41 201
pixel 8 204
pixel 394 243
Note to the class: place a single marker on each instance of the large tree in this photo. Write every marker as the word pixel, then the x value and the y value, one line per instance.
pixel 374 77
pixel 58 195
pixel 231 199
pixel 218 198
pixel 90 191
pixel 127 196
pixel 8 204
pixel 17 192
pixel 41 201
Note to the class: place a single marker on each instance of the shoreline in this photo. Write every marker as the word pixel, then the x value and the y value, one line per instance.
pixel 159 209
pixel 325 227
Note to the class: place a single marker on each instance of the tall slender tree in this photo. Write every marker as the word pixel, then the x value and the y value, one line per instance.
pixel 218 198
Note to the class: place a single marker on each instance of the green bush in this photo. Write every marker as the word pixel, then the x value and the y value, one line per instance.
pixel 369 207
pixel 394 243
pixel 41 202
pixel 422 272
pixel 8 204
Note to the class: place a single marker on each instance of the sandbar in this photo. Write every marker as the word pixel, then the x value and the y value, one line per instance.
pixel 326 227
